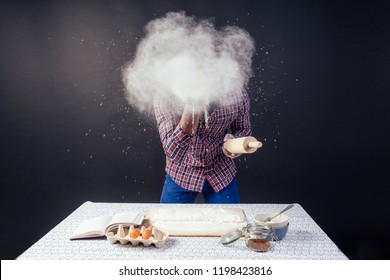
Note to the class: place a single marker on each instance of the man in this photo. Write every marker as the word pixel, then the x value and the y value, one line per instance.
pixel 193 144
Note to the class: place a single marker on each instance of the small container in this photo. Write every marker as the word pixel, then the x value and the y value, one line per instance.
pixel 257 237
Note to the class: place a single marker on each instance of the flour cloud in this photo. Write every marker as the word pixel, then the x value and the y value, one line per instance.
pixel 188 60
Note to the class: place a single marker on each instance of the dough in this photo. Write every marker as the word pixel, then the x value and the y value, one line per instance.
pixel 196 221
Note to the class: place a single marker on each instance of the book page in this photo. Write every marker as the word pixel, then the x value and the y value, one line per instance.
pixel 91 227
pixel 125 219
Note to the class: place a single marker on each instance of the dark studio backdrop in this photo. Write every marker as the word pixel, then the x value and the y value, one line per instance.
pixel 319 99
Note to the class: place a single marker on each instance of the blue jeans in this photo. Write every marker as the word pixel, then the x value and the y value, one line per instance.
pixel 173 193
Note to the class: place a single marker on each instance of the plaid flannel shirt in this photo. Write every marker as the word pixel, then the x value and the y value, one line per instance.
pixel 191 160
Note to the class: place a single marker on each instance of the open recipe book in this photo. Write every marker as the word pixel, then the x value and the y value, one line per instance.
pixel 100 226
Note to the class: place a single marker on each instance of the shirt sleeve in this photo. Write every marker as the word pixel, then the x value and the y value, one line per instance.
pixel 241 126
pixel 174 140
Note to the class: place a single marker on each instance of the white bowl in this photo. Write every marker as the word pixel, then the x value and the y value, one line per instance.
pixel 277 222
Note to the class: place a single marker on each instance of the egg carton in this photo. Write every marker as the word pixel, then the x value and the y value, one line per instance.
pixel 122 236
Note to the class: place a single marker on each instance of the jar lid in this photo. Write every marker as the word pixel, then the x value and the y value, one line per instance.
pixel 259 228
pixel 230 237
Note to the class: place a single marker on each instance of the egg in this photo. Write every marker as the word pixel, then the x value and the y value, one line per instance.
pixel 134 233
pixel 146 234
pixel 150 228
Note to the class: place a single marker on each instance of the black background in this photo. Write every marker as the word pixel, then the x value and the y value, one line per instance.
pixel 319 97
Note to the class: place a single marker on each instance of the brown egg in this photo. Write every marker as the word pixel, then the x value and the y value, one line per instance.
pixel 147 234
pixel 134 233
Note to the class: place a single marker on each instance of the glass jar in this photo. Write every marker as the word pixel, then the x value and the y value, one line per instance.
pixel 257 237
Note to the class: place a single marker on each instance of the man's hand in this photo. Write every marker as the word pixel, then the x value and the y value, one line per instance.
pixel 228 154
pixel 189 120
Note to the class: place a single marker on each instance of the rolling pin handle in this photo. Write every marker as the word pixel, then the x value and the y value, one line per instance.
pixel 255 144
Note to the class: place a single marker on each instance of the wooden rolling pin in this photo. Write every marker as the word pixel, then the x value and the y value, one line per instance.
pixel 242 145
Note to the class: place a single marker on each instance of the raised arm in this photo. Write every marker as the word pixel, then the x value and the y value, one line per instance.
pixel 189 120
pixel 175 130
pixel 241 126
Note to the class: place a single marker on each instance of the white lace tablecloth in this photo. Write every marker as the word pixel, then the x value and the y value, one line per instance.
pixel 304 240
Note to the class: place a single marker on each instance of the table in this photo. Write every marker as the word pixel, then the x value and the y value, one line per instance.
pixel 304 240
